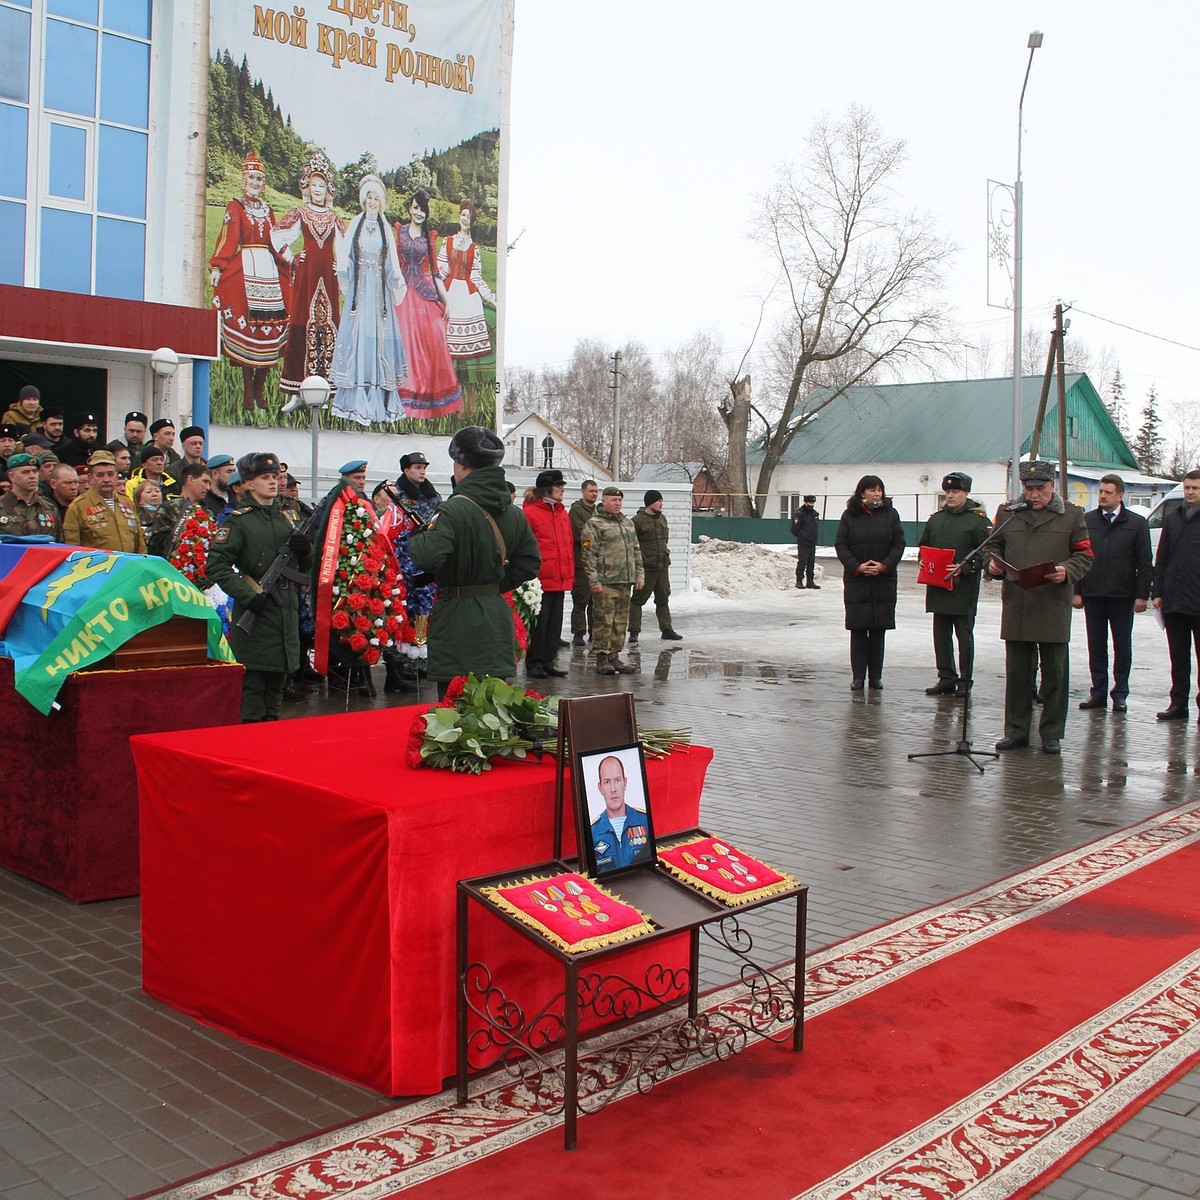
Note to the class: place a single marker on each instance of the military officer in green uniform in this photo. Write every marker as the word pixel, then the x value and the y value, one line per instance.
pixel 477 546
pixel 1036 621
pixel 961 525
pixel 654 538
pixel 23 511
pixel 250 540
pixel 613 565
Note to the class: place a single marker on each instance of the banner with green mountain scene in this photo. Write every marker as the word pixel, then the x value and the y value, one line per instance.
pixel 353 201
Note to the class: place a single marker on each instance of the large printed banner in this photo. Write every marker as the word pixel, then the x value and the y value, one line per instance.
pixel 63 608
pixel 353 206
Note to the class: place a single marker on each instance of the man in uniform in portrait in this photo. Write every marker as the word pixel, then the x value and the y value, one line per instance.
pixel 621 834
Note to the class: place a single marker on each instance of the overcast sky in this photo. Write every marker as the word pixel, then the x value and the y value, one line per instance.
pixel 643 131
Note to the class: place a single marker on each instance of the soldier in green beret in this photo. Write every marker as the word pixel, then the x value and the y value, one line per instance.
pixel 22 510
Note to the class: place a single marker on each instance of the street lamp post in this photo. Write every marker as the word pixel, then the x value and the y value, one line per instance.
pixel 164 362
pixel 1035 40
pixel 314 391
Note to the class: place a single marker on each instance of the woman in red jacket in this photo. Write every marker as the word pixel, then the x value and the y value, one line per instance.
pixel 551 525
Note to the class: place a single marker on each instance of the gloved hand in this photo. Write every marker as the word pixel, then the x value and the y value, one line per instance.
pixel 299 543
pixel 259 603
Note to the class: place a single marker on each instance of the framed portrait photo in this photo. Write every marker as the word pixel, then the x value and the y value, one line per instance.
pixel 612 810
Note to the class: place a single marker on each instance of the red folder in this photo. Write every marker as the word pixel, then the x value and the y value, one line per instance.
pixel 935 567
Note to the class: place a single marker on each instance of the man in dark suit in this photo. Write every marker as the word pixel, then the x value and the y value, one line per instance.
pixel 1177 592
pixel 1117 586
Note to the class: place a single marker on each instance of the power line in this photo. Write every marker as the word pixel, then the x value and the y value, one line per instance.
pixel 1133 329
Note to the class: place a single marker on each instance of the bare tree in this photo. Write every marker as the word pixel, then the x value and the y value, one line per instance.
pixel 693 388
pixel 1181 424
pixel 861 278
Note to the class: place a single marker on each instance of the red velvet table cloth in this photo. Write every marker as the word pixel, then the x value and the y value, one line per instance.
pixel 298 884
pixel 69 802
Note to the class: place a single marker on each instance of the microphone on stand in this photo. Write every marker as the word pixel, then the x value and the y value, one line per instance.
pixel 1017 506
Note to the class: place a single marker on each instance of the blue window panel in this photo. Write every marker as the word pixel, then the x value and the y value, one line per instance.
pixel 128 16
pixel 120 259
pixel 14 149
pixel 14 55
pixel 70 68
pixel 12 242
pixel 121 182
pixel 68 162
pixel 125 81
pixel 65 258
pixel 77 10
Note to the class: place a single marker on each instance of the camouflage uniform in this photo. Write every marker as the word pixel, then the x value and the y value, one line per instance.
pixel 612 559
pixel 19 519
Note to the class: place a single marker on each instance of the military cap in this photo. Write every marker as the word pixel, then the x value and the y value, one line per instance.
pixel 21 460
pixel 251 466
pixel 219 460
pixel 152 451
pixel 10 431
pixel 236 477
pixel 100 458
pixel 810 499
pixel 1038 471
pixel 137 416
pixel 474 446
pixel 190 431
pixel 413 460
pixel 651 497
pixel 50 414
pixel 86 419
pixel 45 456
pixel 613 491
pixel 957 479
pixel 162 423
pixel 549 479
pixel 355 464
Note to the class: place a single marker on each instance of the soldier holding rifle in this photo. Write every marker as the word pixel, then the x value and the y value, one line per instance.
pixel 265 636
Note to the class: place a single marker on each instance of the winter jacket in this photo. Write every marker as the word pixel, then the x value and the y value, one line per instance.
pixel 864 534
pixel 961 530
pixel 654 540
pixel 1123 566
pixel 471 626
pixel 610 551
pixel 551 526
pixel 1043 614
pixel 1177 564
pixel 805 526
pixel 16 415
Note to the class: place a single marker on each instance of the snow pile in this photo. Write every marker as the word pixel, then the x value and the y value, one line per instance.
pixel 741 568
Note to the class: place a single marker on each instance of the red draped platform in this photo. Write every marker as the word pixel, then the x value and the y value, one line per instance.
pixel 69 804
pixel 298 885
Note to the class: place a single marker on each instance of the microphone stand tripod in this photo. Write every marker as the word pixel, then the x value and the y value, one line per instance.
pixel 964 749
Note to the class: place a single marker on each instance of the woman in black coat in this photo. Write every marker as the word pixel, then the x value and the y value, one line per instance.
pixel 870 544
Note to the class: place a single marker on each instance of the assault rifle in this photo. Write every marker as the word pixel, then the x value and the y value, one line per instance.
pixel 282 566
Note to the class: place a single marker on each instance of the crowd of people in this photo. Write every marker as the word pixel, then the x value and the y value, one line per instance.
pixel 1051 558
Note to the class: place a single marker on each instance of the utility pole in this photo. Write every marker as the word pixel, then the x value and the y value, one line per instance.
pixel 614 462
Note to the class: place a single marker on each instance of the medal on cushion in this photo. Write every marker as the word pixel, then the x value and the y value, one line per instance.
pixel 544 901
pixel 593 910
pixel 720 849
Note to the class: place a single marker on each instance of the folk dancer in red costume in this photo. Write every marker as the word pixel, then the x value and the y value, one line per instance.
pixel 250 281
pixel 313 311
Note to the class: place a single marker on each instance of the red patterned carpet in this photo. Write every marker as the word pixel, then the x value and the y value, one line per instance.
pixel 971 1050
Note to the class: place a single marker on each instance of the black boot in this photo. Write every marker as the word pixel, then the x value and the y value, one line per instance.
pixel 394 679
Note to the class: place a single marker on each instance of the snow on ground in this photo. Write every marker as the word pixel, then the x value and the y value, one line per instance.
pixel 741 568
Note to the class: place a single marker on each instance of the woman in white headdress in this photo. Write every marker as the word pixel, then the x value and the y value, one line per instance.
pixel 368 358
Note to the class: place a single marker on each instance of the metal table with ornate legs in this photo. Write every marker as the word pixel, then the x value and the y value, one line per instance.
pixel 542 1049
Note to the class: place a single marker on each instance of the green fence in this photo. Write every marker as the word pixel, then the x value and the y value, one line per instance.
pixel 774 531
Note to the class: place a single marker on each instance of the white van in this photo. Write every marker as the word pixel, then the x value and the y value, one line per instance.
pixel 1155 517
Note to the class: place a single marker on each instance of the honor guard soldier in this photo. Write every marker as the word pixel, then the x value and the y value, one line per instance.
pixel 251 539
pixel 22 511
pixel 104 518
